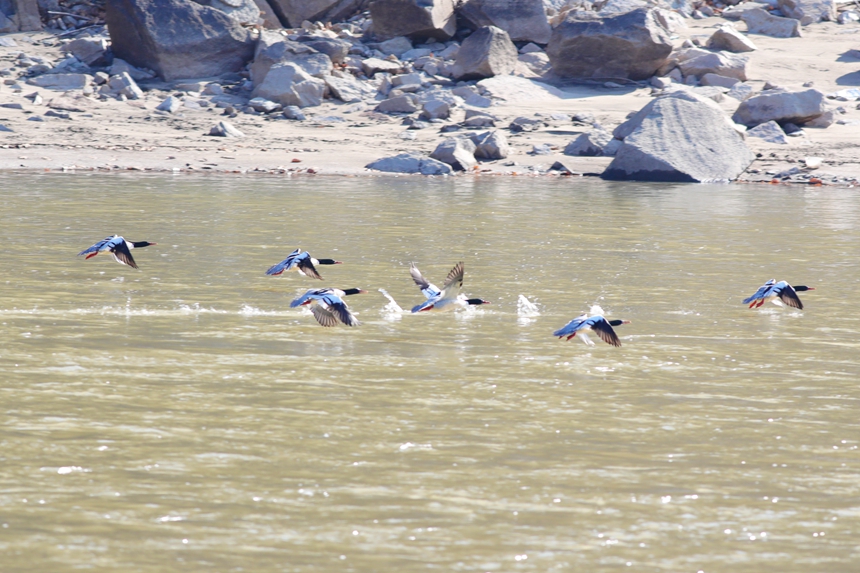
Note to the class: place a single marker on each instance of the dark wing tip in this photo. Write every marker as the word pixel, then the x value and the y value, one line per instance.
pixel 606 333
pixel 456 275
pixel 307 267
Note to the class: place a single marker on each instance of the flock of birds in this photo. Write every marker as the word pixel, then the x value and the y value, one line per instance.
pixel 329 308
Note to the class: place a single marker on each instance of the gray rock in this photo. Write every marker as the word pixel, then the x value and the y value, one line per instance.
pixel 490 145
pixel 274 49
pixel 91 51
pixel 532 48
pixel 631 45
pixel 435 109
pixel 736 12
pixel 523 20
pixel 808 11
pixel 541 149
pixel 710 79
pixel 769 131
pixel 264 105
pixel 679 137
pixel 729 39
pixel 486 53
pixel 225 129
pixel 58 114
pixel 589 144
pixel 294 112
pixel 741 91
pixel 520 124
pixel 335 49
pixel 348 89
pixel 171 104
pixel 373 65
pixel 406 79
pixel 61 81
pixel 120 66
pixel 722 63
pixel 410 163
pixel 125 85
pixel 395 46
pixel 457 152
pixel 826 119
pixel 538 62
pixel 289 84
pixel 781 106
pixel 176 38
pixel 406 103
pixel 759 21
pixel 243 11
pixel 710 92
pixel 293 12
pixel 413 18
pixel 611 148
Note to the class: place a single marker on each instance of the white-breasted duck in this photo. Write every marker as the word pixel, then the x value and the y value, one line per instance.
pixel 327 305
pixel 597 324
pixel 447 298
pixel 118 247
pixel 302 262
pixel 778 293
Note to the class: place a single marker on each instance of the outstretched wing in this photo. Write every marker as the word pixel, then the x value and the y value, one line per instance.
pixel 308 297
pixel 603 329
pixel 122 254
pixel 324 316
pixel 429 289
pixel 97 247
pixel 454 281
pixel 760 293
pixel 788 295
pixel 427 304
pixel 334 307
pixel 284 265
pixel 306 266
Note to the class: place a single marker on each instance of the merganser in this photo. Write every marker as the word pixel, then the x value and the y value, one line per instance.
pixel 301 262
pixel 778 293
pixel 449 297
pixel 118 247
pixel 597 324
pixel 328 306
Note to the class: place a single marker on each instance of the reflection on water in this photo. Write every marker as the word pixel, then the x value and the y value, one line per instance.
pixel 183 417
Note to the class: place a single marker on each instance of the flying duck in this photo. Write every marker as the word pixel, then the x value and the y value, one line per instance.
pixel 597 324
pixel 301 262
pixel 328 306
pixel 118 247
pixel 449 297
pixel 778 293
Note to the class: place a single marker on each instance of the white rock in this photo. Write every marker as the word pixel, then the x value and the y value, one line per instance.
pixel 61 81
pixel 410 163
pixel 782 106
pixel 727 38
pixel 458 152
pixel 225 129
pixel 170 105
pixel 769 131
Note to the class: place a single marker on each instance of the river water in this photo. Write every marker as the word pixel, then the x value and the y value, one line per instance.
pixel 182 417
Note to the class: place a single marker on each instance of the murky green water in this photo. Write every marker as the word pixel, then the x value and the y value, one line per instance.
pixel 183 418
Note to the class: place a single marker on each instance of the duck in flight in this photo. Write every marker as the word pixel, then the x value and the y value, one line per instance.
pixel 327 305
pixel 304 263
pixel 118 247
pixel 597 324
pixel 778 293
pixel 449 297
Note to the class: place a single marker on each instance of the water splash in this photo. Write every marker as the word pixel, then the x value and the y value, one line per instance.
pixel 527 311
pixel 392 310
pixel 596 310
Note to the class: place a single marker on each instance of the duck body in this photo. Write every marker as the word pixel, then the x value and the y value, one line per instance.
pixel 118 247
pixel 327 305
pixel 301 262
pixel 778 293
pixel 597 324
pixel 446 298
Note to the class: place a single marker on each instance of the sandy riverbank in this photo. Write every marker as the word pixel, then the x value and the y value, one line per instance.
pixel 340 139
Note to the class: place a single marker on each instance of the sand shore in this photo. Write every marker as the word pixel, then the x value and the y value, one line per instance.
pixel 340 139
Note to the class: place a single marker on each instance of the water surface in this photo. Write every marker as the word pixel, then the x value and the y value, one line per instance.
pixel 183 417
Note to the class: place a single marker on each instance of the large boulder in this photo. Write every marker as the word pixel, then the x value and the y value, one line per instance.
pixel 523 20
pixel 410 163
pixel 458 152
pixel 631 45
pixel 243 11
pixel 176 38
pixel 289 84
pixel 413 18
pixel 486 53
pixel 782 106
pixel 334 48
pixel 19 16
pixel 759 21
pixel 679 137
pixel 722 63
pixel 490 145
pixel 809 11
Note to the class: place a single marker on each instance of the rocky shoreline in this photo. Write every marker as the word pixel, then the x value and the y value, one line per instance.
pixel 706 101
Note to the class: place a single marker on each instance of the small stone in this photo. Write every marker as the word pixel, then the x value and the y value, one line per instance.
pixel 769 131
pixel 458 152
pixel 490 145
pixel 263 105
pixel 170 105
pixel 401 104
pixel 123 84
pixel 225 129
pixel 541 149
pixel 59 114
pixel 294 112
pixel 410 163
pixel 521 124
pixel 436 109
pixel 12 105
